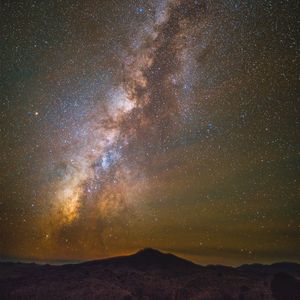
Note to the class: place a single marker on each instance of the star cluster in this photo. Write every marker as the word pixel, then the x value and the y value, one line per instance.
pixel 169 124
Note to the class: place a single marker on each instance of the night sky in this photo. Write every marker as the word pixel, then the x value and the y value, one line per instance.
pixel 170 124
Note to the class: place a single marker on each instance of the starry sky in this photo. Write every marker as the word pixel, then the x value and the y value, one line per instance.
pixel 170 124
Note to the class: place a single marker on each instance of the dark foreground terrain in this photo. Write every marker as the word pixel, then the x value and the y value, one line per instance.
pixel 148 274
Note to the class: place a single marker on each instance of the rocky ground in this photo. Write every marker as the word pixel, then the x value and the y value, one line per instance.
pixel 149 274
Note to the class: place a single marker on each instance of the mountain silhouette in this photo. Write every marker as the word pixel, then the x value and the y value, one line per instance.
pixel 147 259
pixel 147 274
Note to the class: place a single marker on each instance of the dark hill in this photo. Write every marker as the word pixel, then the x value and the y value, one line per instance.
pixel 148 259
pixel 291 268
pixel 147 274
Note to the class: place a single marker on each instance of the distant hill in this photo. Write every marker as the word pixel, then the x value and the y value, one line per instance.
pixel 148 259
pixel 292 268
pixel 148 274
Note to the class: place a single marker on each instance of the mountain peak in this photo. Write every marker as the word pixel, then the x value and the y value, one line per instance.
pixel 149 252
pixel 151 258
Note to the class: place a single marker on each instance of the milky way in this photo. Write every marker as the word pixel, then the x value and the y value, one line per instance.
pixel 165 123
pixel 140 114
